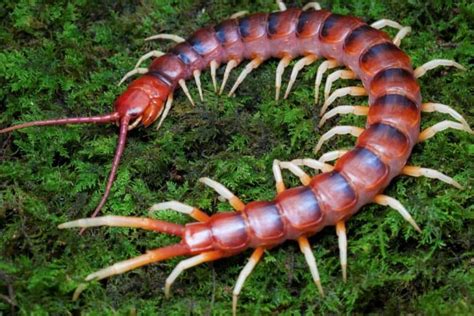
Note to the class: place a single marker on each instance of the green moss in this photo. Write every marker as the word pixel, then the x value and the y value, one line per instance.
pixel 65 60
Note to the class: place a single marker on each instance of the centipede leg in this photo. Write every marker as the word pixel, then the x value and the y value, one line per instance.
pixel 172 37
pixel 238 14
pixel 415 171
pixel 442 108
pixel 139 71
pixel 325 65
pixel 244 274
pixel 311 261
pixel 169 103
pixel 153 53
pixel 420 71
pixel 189 263
pixel 213 65
pixel 183 86
pixel 396 205
pixel 281 5
pixel 284 62
pixel 402 30
pixel 312 5
pixel 248 69
pixel 441 126
pixel 297 171
pixel 338 74
pixel 332 155
pixel 230 65
pixel 234 201
pixel 353 91
pixel 280 185
pixel 194 212
pixel 342 241
pixel 344 109
pixel 308 60
pixel 313 164
pixel 197 78
pixel 338 130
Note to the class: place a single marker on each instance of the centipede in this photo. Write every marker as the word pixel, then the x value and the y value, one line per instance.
pixel 341 182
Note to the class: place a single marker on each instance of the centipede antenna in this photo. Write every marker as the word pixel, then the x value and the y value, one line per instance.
pixel 115 163
pixel 308 60
pixel 107 118
pixel 244 274
pixel 150 256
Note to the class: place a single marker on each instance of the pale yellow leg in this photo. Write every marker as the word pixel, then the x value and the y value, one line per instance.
pixel 183 86
pixel 415 171
pixel 396 205
pixel 338 74
pixel 281 5
pixel 442 108
pixel 139 71
pixel 332 155
pixel 234 201
pixel 353 91
pixel 214 67
pixel 244 274
pixel 172 37
pixel 230 65
pixel 169 103
pixel 297 171
pixel 420 71
pixel 344 109
pixel 305 61
pixel 342 241
pixel 280 185
pixel 238 14
pixel 312 5
pixel 338 130
pixel 153 53
pixel 441 126
pixel 284 62
pixel 311 261
pixel 194 212
pixel 197 78
pixel 248 69
pixel 313 164
pixel 189 263
pixel 325 65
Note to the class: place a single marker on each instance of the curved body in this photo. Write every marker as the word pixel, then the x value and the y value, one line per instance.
pixel 381 151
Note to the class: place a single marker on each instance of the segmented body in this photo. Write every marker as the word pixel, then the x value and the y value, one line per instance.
pixel 330 198
pixel 381 150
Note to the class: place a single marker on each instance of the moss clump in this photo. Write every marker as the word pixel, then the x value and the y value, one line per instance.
pixel 64 60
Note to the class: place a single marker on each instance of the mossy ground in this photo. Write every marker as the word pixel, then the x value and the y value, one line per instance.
pixel 61 60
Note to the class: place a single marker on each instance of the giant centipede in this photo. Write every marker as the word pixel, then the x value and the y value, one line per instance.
pixel 358 177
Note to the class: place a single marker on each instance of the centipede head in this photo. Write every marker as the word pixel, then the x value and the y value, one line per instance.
pixel 142 102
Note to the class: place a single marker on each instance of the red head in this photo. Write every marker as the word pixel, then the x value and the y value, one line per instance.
pixel 143 101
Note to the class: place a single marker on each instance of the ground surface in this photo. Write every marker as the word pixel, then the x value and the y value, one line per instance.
pixel 65 60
